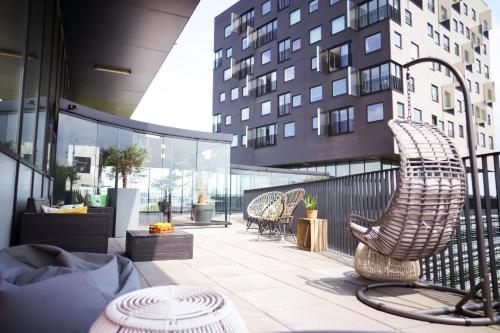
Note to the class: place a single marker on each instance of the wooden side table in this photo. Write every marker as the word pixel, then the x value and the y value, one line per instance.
pixel 312 234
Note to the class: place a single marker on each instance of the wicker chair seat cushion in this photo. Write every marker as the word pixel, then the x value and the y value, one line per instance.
pixel 170 309
pixel 46 289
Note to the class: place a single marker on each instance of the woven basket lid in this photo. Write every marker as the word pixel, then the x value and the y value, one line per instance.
pixel 170 309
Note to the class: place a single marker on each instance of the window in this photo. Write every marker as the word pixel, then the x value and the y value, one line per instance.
pixel 461 28
pixel 289 74
pixel 467 33
pixel 228 30
pixel 434 120
pixel 437 38
pixel 227 120
pixel 234 93
pixel 314 63
pixel 455 25
pixel 457 49
pixel 460 131
pixel 408 17
pixel 245 114
pixel 244 43
pixel 451 129
pixel 430 30
pixel 289 130
pixel 266 33
pixel 315 35
pixel 244 67
pixel 313 6
pixel 466 10
pixel 234 142
pixel 341 121
pixel 400 110
pixel 373 43
pixel 217 119
pixel 296 45
pixel 486 71
pixel 373 11
pixel 417 114
pixel 295 17
pixel 339 57
pixel 265 136
pixel 482 140
pixel 244 91
pixel 314 123
pixel 265 108
pixel 284 106
pixel 296 101
pixel 316 94
pixel 244 140
pixel 381 77
pixel 375 112
pixel 284 50
pixel 229 53
pixel 434 93
pixel 441 125
pixel 415 51
pixel 477 65
pixel 227 74
pixel 473 14
pixel 222 97
pixel 490 140
pixel 469 84
pixel 339 87
pixel 265 57
pixel 217 59
pixel 266 83
pixel 332 2
pixel 266 7
pixel 458 105
pixel 397 40
pixel 477 87
pixel 338 24
pixel 411 85
pixel 446 43
pixel 282 4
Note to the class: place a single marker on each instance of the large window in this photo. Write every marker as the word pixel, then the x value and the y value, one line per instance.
pixel 316 94
pixel 218 58
pixel 341 121
pixel 295 17
pixel 284 50
pixel 382 77
pixel 373 43
pixel 265 136
pixel 284 104
pixel 245 67
pixel 315 35
pixel 373 11
pixel 375 112
pixel 267 33
pixel 266 83
pixel 339 57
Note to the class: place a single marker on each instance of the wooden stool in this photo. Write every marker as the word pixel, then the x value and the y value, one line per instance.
pixel 312 234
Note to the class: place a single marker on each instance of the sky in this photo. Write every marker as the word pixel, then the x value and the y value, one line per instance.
pixel 181 93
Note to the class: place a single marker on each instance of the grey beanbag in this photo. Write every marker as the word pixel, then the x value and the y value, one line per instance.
pixel 46 289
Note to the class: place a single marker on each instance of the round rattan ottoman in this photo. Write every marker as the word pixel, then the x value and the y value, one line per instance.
pixel 170 309
pixel 374 266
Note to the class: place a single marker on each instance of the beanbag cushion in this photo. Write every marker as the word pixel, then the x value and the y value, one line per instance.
pixel 46 289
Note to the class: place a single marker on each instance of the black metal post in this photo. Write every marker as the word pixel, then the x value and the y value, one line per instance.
pixel 483 265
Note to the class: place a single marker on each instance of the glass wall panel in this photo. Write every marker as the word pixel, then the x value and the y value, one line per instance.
pixel 7 188
pixel 107 137
pixel 37 185
pixel 12 43
pixel 32 79
pixel 182 168
pixel 23 188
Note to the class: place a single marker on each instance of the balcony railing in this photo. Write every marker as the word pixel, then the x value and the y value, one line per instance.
pixel 284 55
pixel 266 38
pixel 266 88
pixel 265 141
pixel 336 62
pixel 282 4
pixel 380 14
pixel 382 83
pixel 341 127
pixel 284 109
pixel 244 71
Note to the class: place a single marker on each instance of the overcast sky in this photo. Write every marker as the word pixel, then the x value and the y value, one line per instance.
pixel 181 93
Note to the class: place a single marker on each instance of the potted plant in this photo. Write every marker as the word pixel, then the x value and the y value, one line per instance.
pixel 127 162
pixel 310 204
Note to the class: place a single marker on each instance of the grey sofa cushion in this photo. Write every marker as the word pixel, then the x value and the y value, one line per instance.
pixel 46 289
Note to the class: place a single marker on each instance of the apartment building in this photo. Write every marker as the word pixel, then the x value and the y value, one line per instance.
pixel 312 84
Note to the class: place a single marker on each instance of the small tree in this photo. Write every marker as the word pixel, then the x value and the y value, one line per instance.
pixel 72 176
pixel 126 162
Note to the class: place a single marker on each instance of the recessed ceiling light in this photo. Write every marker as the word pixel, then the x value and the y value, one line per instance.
pixel 114 70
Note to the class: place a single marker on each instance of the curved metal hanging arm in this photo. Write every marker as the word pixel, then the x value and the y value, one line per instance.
pixel 483 266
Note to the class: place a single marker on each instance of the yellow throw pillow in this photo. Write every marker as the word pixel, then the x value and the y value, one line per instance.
pixel 78 210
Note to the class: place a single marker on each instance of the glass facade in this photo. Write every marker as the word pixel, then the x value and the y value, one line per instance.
pixel 177 168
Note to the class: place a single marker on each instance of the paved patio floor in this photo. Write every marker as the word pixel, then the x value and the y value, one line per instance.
pixel 277 288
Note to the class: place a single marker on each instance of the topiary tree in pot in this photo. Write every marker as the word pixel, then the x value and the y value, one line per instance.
pixel 126 162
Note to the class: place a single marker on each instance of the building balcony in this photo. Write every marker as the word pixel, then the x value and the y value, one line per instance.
pixel 241 69
pixel 480 113
pixel 379 14
pixel 485 20
pixel 467 53
pixel 239 25
pixel 489 92
pixel 448 97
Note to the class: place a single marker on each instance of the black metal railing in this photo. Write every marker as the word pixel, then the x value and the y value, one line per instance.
pixel 368 195
pixel 244 71
pixel 336 62
pixel 243 26
pixel 341 127
pixel 264 141
pixel 265 88
pixel 380 14
pixel 284 109
pixel 284 55
pixel 282 4
pixel 266 38
pixel 382 83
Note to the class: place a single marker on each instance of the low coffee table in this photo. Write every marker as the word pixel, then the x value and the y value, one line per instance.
pixel 144 246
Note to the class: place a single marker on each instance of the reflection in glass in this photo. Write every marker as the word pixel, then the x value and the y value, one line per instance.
pixel 12 44
pixel 7 188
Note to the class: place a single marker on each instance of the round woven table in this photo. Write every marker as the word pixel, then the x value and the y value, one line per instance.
pixel 170 309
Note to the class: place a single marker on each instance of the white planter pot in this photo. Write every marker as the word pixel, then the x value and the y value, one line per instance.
pixel 126 201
